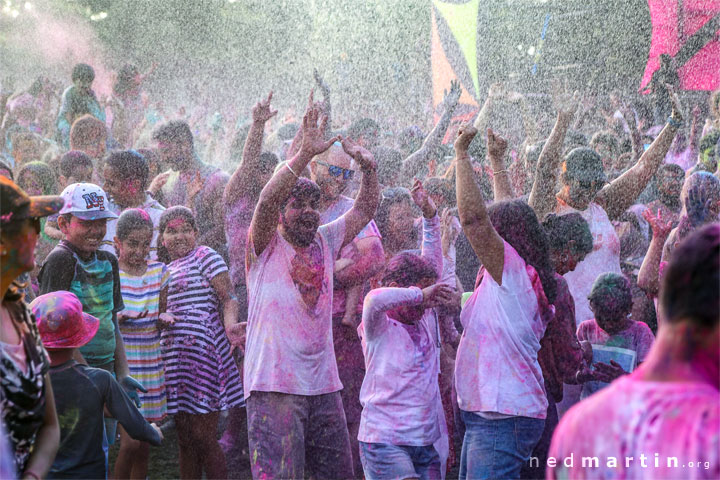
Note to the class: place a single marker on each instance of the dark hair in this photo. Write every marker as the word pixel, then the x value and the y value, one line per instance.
pixel 389 163
pixel 606 137
pixel 72 160
pixel 268 161
pixel 85 131
pixel 390 197
pixel 518 225
pixel 129 164
pixel 573 138
pixel 167 216
pixel 287 131
pixel 611 295
pixel 304 187
pixel 131 220
pixel 691 280
pixel 582 163
pixel 407 269
pixel 671 167
pixel 360 127
pixel 125 79
pixel 561 229
pixel 83 72
pixel 173 131
pixel 152 160
pixel 43 172
pixel 440 186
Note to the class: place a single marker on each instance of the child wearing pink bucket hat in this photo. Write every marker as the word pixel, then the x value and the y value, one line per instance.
pixel 82 392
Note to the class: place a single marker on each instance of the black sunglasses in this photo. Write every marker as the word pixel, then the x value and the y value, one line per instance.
pixel 335 171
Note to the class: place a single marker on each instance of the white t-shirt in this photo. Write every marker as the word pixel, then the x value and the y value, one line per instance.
pixel 289 346
pixel 496 369
pixel 400 392
pixel 605 257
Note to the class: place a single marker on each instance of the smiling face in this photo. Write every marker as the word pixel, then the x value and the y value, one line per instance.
pixel 85 235
pixel 179 238
pixel 135 247
pixel 332 184
pixel 300 219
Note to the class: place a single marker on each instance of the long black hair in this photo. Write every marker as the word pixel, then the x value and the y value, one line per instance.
pixel 518 225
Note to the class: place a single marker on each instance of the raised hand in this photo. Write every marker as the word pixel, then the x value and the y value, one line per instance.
pixel 496 144
pixel 660 228
pixel 450 230
pixel 314 124
pixel 676 114
pixel 451 98
pixel 698 205
pixel 497 91
pixel 423 200
pixel 436 295
pixel 262 112
pixel 567 104
pixel 362 156
pixel 466 133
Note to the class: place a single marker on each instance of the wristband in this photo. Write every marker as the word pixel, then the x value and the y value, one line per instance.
pixel 499 172
pixel 287 164
pixel 30 473
pixel 674 123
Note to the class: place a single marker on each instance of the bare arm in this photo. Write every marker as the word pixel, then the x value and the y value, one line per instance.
pixel 245 172
pixel 497 146
pixel 327 106
pixel 230 309
pixel 542 195
pixel 363 210
pixel 485 241
pixel 276 192
pixel 417 160
pixel 619 195
pixel 431 248
pixel 47 440
pixel 649 274
pixel 370 260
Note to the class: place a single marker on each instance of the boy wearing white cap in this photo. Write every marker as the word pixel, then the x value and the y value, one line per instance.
pixel 82 392
pixel 77 265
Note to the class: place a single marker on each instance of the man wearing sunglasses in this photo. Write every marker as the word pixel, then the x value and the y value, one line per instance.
pixel 362 258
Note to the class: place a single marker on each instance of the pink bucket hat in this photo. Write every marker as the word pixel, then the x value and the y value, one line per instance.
pixel 61 321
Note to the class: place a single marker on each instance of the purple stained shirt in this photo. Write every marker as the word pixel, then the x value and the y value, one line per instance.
pixel 238 215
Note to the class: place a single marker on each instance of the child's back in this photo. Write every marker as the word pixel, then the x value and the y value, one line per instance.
pixel 81 392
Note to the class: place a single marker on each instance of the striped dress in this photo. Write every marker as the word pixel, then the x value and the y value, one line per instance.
pixel 200 373
pixel 142 337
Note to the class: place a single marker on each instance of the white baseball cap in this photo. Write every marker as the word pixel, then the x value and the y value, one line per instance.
pixel 86 201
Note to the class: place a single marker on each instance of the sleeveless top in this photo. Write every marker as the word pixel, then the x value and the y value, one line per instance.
pixel 22 392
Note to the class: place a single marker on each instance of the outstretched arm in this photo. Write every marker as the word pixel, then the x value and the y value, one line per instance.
pixel 542 195
pixel 619 195
pixel 250 163
pixel 417 160
pixel 276 192
pixel 474 219
pixel 363 210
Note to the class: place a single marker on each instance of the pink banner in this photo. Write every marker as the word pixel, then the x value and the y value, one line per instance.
pixel 670 30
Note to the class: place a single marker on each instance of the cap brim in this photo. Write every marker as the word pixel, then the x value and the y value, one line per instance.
pixel 81 337
pixel 45 205
pixel 94 215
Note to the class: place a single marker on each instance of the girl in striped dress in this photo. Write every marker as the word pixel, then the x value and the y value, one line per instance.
pixel 201 376
pixel 144 287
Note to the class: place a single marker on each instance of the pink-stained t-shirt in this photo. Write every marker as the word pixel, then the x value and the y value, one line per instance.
pixel 400 394
pixel 674 424
pixel 497 369
pixel 638 337
pixel 605 257
pixel 289 346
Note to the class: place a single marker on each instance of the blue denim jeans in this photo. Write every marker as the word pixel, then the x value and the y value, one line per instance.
pixel 381 461
pixel 497 448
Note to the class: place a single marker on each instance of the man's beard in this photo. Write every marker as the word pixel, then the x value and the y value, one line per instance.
pixel 298 235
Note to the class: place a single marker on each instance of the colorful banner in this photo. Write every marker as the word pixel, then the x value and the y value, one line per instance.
pixel 688 30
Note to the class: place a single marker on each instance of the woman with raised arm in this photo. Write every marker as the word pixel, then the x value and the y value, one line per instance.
pixel 497 375
pixel 585 190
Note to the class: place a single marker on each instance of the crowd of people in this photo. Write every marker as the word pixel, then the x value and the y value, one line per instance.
pixel 495 299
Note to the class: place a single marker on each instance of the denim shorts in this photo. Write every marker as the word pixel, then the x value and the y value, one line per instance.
pixel 497 448
pixel 385 461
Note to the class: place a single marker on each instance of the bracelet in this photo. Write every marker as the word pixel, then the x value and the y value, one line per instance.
pixel 287 164
pixel 30 473
pixel 499 172
pixel 674 123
